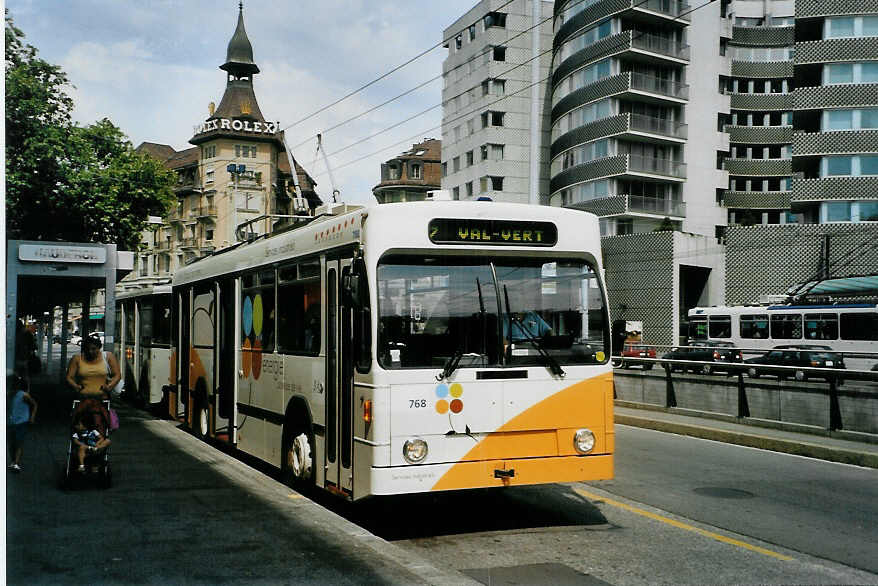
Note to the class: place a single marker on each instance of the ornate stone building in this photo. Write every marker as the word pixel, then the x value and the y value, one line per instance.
pixel 235 183
pixel 409 176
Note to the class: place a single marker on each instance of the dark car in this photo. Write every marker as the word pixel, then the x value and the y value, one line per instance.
pixel 718 353
pixel 635 350
pixel 807 355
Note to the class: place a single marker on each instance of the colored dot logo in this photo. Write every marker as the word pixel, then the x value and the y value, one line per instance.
pixel 449 398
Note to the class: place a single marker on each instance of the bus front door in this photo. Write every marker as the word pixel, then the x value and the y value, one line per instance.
pixel 339 381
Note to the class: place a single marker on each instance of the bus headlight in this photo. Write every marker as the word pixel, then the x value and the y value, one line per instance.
pixel 414 450
pixel 583 441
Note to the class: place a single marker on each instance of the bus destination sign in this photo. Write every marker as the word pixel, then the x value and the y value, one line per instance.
pixel 492 232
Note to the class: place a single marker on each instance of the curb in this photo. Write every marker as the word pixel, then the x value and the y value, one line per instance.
pixel 755 441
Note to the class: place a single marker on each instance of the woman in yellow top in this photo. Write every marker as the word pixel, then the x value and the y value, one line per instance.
pixel 87 375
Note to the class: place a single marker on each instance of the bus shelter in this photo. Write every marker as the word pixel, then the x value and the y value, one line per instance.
pixel 41 276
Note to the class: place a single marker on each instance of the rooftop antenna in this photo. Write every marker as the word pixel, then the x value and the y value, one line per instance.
pixel 320 149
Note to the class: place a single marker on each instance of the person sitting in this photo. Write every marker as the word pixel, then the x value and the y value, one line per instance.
pixel 89 435
pixel 525 326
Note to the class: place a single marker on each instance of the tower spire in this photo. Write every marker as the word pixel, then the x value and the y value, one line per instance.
pixel 239 101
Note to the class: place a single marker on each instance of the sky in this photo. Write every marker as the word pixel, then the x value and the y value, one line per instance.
pixel 152 68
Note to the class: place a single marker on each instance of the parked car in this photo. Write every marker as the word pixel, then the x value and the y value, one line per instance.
pixel 76 339
pixel 56 339
pixel 808 355
pixel 718 353
pixel 635 350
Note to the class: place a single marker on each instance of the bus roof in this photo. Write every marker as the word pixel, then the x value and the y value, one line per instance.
pixel 403 225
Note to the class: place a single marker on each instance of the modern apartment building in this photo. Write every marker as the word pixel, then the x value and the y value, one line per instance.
pixel 815 94
pixel 637 138
pixel 410 175
pixel 494 119
pixel 234 183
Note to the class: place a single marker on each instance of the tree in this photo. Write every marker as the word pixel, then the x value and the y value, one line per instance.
pixel 63 181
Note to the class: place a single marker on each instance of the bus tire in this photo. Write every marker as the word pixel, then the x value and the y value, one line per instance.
pixel 801 376
pixel 706 369
pixel 297 464
pixel 752 372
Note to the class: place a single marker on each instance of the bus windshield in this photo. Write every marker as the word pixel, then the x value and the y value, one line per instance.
pixel 482 311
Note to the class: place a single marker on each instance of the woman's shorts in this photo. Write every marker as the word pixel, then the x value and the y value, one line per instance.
pixel 16 434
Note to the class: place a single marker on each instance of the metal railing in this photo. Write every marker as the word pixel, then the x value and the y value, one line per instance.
pixel 657 125
pixel 658 44
pixel 658 85
pixel 662 206
pixel 796 396
pixel 657 166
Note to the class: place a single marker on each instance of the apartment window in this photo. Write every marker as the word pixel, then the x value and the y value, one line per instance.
pixel 208 234
pixel 458 42
pixel 624 226
pixel 497 19
pixel 849 165
pixel 469 158
pixel 497 118
pixel 834 73
pixel 444 169
pixel 486 87
pixel 455 164
pixel 415 171
pixel 866 118
pixel 210 151
pixel 455 193
pixel 490 182
pixel 469 188
pixel 499 54
pixel 484 152
pixel 457 133
pixel 497 152
pixel 850 26
pixel 499 87
pixel 472 32
pixel 470 127
pixel 208 175
pixel 392 172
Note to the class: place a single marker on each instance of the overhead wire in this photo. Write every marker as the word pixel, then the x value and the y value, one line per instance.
pixel 484 106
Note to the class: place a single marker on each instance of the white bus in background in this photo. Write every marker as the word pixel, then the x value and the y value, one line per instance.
pixel 143 343
pixel 848 328
pixel 408 347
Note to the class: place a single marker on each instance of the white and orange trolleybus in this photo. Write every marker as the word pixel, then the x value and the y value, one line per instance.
pixel 407 347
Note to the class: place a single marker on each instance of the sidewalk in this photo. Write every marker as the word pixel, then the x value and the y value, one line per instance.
pixel 181 512
pixel 762 434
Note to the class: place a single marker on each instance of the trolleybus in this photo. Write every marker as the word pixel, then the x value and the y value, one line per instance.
pixel 408 347
pixel 143 344
pixel 843 327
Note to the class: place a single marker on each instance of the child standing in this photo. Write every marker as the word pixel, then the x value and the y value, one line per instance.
pixel 22 410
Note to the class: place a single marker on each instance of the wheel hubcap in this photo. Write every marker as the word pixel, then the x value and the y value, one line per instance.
pixel 203 421
pixel 300 457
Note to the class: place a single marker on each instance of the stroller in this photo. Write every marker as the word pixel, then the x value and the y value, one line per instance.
pixel 89 422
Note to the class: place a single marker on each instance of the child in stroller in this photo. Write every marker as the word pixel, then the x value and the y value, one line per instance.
pixel 88 451
pixel 89 437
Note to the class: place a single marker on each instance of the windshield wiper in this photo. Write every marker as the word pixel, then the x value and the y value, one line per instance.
pixel 451 364
pixel 550 360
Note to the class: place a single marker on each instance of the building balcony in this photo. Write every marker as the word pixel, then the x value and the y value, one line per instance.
pixel 632 166
pixel 834 188
pixel 162 245
pixel 175 216
pixel 759 167
pixel 762 69
pixel 659 86
pixel 202 212
pixel 632 204
pixel 757 200
pixel 634 86
pixel 188 243
pixel 187 187
pixel 634 127
pixel 763 36
pixel 835 142
pixel 761 102
pixel 653 12
pixel 821 8
pixel 833 50
pixel 760 134
pixel 835 96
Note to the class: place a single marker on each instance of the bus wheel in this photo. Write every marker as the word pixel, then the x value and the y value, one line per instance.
pixel 706 369
pixel 752 372
pixel 202 421
pixel 298 465
pixel 801 376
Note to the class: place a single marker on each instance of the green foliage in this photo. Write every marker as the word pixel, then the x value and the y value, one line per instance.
pixel 63 181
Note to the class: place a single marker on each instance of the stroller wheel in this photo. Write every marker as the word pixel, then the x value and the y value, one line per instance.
pixel 106 479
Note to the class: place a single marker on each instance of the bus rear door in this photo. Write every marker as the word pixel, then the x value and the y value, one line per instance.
pixel 339 381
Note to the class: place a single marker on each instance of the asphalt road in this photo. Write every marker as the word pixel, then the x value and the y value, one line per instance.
pixel 821 508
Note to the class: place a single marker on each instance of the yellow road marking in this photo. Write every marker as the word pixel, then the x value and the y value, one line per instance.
pixel 294 495
pixel 683 526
